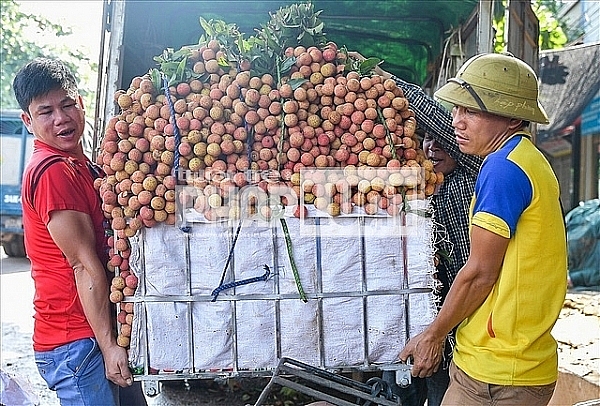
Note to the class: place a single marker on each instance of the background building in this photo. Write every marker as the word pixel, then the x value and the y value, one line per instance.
pixel 570 90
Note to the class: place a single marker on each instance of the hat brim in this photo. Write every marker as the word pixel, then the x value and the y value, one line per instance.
pixel 496 103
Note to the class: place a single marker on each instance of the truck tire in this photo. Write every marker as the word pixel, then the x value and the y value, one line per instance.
pixel 15 247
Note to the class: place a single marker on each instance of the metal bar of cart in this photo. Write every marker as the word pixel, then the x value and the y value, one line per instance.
pixel 363 288
pixel 308 379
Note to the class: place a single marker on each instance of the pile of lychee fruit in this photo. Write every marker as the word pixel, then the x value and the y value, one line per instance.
pixel 320 134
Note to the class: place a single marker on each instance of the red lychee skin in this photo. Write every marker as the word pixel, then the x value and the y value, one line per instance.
pixel 121 317
pixel 329 55
pixel 300 212
pixel 131 281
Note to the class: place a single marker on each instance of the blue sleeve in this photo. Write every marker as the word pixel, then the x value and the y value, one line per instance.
pixel 503 190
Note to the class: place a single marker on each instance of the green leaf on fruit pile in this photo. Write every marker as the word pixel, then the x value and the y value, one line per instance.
pixel 156 78
pixel 174 64
pixel 315 30
pixel 182 53
pixel 243 45
pixel 368 65
pixel 296 24
pixel 220 30
pixel 173 79
pixel 223 62
pixel 287 64
pixel 208 29
pixel 180 73
pixel 296 83
pixel 263 58
pixel 228 36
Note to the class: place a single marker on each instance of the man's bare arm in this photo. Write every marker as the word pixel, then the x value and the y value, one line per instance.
pixel 469 290
pixel 73 233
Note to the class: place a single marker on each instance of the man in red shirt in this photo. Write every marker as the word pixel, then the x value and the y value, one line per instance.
pixel 74 339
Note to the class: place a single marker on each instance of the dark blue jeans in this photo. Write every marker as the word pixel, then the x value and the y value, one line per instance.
pixel 76 372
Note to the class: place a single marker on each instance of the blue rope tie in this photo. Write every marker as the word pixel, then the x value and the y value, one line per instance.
pixel 175 128
pixel 176 155
pixel 262 278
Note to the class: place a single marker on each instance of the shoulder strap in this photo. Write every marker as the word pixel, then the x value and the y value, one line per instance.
pixel 38 172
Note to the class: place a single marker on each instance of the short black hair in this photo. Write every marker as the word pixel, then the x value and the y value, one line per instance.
pixel 420 133
pixel 40 76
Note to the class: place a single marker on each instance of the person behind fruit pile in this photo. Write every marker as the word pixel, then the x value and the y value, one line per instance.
pixel 74 340
pixel 451 207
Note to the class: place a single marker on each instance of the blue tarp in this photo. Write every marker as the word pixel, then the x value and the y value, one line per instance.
pixel 583 239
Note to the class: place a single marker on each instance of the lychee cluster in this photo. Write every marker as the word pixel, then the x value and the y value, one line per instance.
pixel 233 125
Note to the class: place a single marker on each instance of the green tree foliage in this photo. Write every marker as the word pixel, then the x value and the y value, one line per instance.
pixel 19 45
pixel 552 30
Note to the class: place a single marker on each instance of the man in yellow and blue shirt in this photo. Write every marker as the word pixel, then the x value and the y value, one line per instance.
pixel 509 293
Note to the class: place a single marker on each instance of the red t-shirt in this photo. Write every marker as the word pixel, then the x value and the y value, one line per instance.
pixel 66 184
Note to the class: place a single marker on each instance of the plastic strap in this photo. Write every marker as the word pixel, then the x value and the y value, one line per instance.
pixel 288 244
pixel 38 172
pixel 471 91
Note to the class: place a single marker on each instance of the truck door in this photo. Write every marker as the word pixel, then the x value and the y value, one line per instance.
pixel 16 145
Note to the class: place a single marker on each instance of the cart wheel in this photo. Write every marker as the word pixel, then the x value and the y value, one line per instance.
pixel 379 387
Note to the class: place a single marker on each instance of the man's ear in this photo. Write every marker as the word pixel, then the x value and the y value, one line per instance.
pixel 515 123
pixel 80 101
pixel 26 118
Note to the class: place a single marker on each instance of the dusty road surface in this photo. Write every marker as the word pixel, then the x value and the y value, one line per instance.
pixel 577 331
pixel 16 355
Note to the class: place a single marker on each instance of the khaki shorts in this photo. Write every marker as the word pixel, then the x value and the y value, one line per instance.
pixel 466 391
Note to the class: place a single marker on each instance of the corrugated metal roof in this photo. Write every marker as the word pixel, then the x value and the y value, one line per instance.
pixel 569 80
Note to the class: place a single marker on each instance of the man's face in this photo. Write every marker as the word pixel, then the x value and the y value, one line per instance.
pixel 442 161
pixel 480 133
pixel 57 119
